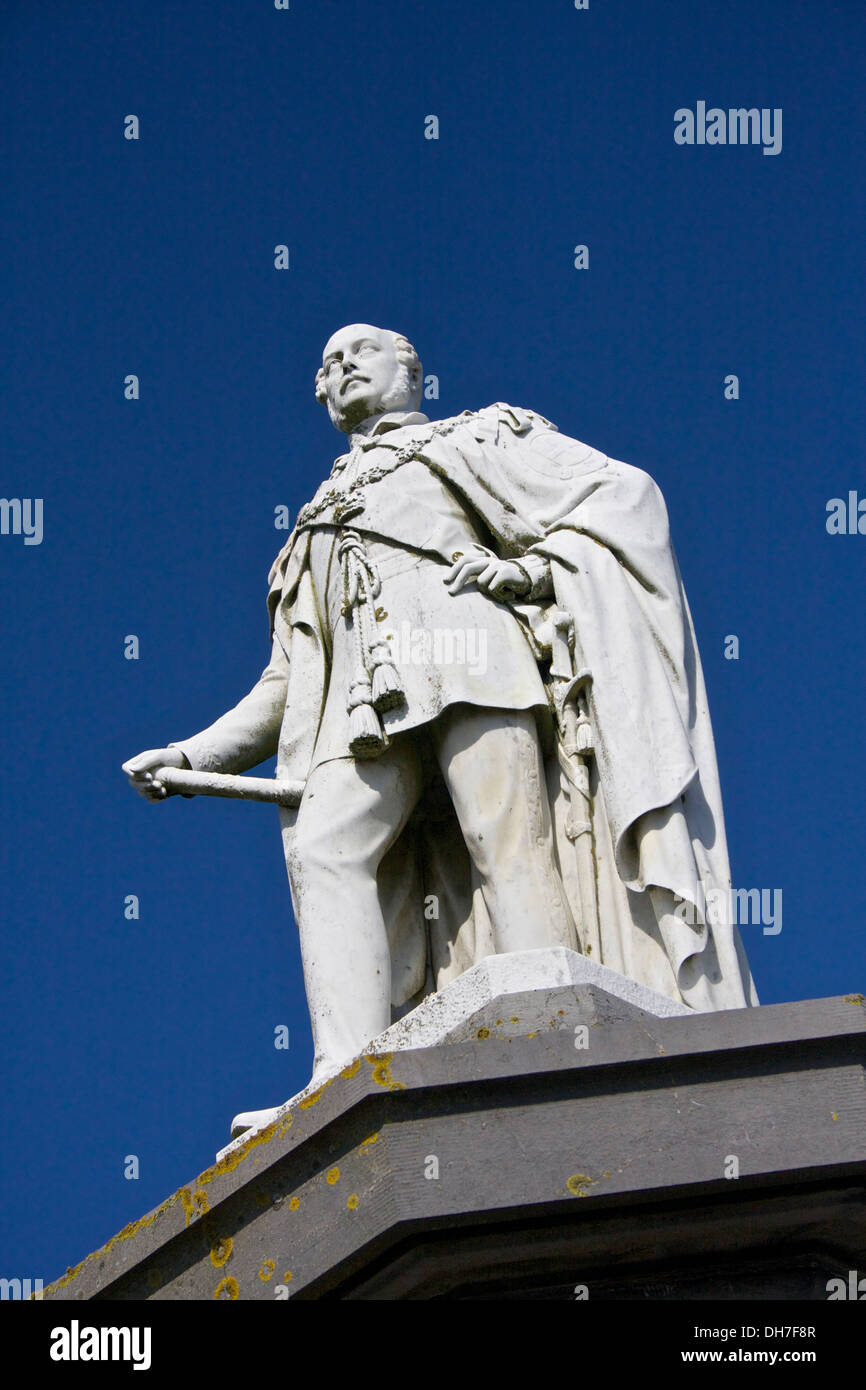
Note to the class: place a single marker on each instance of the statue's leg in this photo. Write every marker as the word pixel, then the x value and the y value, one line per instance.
pixel 350 815
pixel 492 764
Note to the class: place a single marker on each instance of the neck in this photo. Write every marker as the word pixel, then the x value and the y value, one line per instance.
pixel 365 429
pixel 367 426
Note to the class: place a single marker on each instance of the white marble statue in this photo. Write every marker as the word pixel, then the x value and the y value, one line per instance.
pixel 485 679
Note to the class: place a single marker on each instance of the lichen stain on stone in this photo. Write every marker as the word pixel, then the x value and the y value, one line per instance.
pixel 833 1115
pixel 482 1034
pixel 855 999
pixel 352 1201
pixel 287 1276
pixel 194 1204
pixel 381 1064
pixel 315 1097
pixel 73 1271
pixel 154 1278
pixel 234 1159
pixel 227 1288
pixel 267 1271
pixel 332 1176
pixel 351 1070
pixel 294 1203
pixel 191 1202
pixel 368 1143
pixel 578 1183
pixel 220 1251
pixel 262 1199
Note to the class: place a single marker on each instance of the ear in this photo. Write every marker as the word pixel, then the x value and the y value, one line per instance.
pixel 321 393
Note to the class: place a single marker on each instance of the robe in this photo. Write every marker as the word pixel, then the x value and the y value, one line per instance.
pixel 659 848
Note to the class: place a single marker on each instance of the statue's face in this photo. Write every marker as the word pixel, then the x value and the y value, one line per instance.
pixel 361 375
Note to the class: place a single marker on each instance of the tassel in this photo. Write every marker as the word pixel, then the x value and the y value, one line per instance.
pixel 366 735
pixel 584 736
pixel 387 691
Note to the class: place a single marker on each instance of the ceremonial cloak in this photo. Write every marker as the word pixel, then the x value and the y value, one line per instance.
pixel 659 847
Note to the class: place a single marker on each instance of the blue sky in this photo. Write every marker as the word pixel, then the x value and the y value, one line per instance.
pixel 156 257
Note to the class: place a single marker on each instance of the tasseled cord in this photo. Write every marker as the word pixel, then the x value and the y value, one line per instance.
pixel 376 686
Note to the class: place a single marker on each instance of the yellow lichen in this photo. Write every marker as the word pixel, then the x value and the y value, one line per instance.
pixel 267 1271
pixel 351 1070
pixel 194 1204
pixel 578 1183
pixel 352 1201
pixel 220 1251
pixel 332 1176
pixel 368 1143
pixel 72 1272
pixel 316 1096
pixel 381 1065
pixel 227 1288
pixel 191 1203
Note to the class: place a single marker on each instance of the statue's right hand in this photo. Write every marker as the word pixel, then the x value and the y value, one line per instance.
pixel 141 768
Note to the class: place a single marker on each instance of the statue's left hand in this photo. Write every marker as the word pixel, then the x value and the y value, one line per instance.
pixel 501 579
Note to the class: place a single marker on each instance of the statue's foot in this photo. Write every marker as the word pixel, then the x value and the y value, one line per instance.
pixel 250 1120
pixel 253 1119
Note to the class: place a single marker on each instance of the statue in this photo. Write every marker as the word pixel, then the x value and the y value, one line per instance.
pixel 487 703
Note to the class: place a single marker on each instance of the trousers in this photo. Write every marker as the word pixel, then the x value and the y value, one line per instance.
pixel 353 812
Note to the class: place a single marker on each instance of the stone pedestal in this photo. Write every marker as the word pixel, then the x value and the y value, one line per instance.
pixel 540 1129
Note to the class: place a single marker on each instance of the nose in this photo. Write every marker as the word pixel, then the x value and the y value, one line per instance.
pixel 350 368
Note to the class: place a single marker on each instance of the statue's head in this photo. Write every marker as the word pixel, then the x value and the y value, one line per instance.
pixel 367 371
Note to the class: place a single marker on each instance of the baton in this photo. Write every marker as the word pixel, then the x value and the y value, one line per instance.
pixel 190 783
